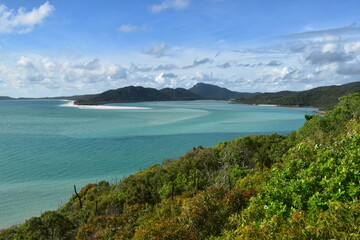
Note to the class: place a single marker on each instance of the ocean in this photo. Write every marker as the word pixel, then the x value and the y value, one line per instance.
pixel 47 146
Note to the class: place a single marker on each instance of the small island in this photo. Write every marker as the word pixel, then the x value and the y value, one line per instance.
pixel 322 97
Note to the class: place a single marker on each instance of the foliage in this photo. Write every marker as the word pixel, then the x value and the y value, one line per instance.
pixel 137 94
pixel 209 91
pixel 50 225
pixel 322 97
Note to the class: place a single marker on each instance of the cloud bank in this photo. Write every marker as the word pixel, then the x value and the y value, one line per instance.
pixel 317 61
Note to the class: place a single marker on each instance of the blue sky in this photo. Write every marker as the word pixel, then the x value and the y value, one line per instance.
pixel 62 47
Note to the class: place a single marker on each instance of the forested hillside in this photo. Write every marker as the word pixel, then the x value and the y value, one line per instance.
pixel 137 94
pixel 302 186
pixel 210 91
pixel 321 97
pixel 5 98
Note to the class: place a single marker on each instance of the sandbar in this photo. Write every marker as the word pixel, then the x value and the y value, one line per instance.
pixel 105 107
pixel 267 105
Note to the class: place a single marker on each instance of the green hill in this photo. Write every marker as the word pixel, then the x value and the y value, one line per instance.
pixel 180 94
pixel 209 91
pixel 301 186
pixel 321 97
pixel 5 98
pixel 137 94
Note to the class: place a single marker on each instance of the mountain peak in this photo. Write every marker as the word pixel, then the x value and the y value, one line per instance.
pixel 211 91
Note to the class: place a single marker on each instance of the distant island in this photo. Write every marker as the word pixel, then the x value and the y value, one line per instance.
pixel 137 94
pixel 5 98
pixel 321 97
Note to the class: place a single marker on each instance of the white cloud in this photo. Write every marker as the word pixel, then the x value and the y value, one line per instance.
pixel 158 50
pixel 41 76
pixel 352 47
pixel 204 77
pixel 25 63
pixel 22 21
pixel 28 72
pixel 330 47
pixel 160 78
pixel 175 4
pixel 91 64
pixel 127 28
pixel 48 64
pixel 116 72
pixel 134 68
pixel 333 32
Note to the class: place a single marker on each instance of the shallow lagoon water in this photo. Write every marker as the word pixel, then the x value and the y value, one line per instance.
pixel 46 148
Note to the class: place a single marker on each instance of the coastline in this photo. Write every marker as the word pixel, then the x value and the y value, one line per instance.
pixel 292 106
pixel 71 103
pixel 273 105
pixel 266 105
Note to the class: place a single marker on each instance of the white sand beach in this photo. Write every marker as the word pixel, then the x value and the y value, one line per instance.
pixel 105 107
pixel 267 105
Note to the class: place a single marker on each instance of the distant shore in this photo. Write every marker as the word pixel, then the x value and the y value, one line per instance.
pixel 72 104
pixel 265 105
pixel 274 105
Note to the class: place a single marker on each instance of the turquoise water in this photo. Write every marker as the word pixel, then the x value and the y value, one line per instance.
pixel 46 148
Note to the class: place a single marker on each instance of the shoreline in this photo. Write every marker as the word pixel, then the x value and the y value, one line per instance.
pixel 291 106
pixel 265 105
pixel 71 103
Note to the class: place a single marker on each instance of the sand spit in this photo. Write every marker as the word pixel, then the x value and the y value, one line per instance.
pixel 105 107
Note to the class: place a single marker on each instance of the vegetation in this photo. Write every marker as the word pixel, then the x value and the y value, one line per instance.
pixel 209 91
pixel 137 94
pixel 302 186
pixel 321 97
pixel 5 98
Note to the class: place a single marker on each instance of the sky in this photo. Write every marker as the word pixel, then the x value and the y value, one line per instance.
pixel 66 47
